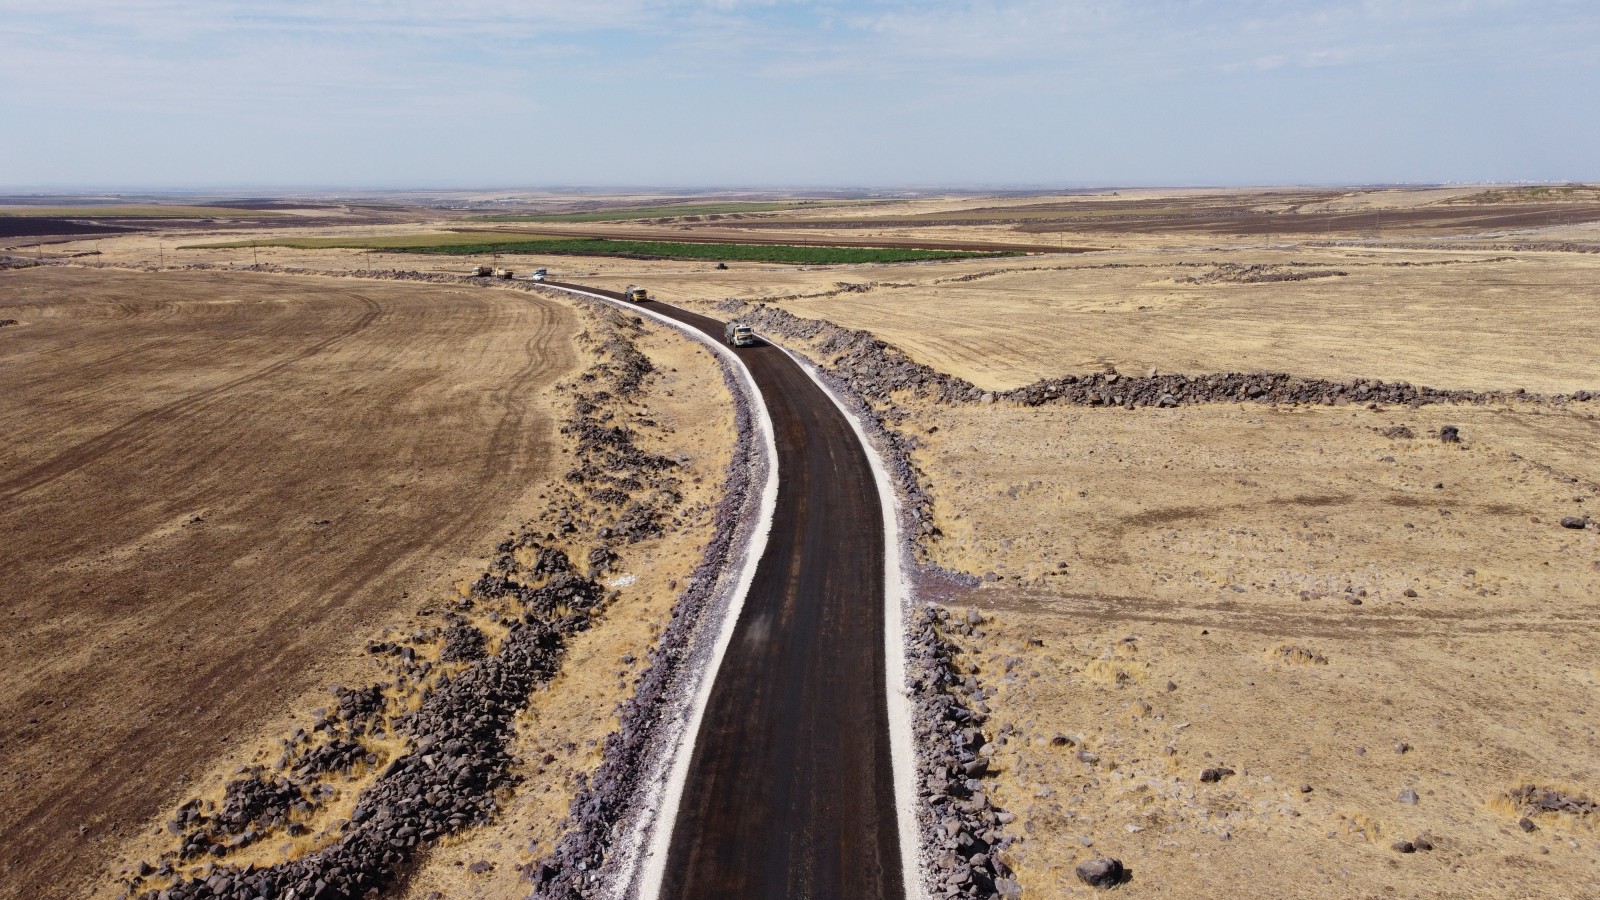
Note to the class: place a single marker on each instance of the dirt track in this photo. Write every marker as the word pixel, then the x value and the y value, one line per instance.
pixel 208 502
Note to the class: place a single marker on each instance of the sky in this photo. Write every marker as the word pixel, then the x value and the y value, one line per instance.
pixel 228 94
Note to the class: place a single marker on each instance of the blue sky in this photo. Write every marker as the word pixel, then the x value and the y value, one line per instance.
pixel 748 93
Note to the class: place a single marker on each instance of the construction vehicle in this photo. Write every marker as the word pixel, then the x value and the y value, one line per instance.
pixel 503 273
pixel 481 271
pixel 739 335
pixel 636 293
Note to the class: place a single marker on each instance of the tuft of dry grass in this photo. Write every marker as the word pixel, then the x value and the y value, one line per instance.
pixel 1298 655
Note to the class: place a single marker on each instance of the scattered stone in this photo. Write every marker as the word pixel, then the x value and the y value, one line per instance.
pixel 1403 847
pixel 1213 775
pixel 1574 521
pixel 1450 434
pixel 1526 824
pixel 1408 797
pixel 1103 873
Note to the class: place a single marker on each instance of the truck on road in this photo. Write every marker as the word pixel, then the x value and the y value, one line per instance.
pixel 481 271
pixel 739 334
pixel 503 273
pixel 636 293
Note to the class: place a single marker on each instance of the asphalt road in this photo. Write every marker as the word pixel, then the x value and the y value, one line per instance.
pixel 790 792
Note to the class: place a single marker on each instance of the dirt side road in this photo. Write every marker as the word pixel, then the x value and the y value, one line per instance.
pixel 211 487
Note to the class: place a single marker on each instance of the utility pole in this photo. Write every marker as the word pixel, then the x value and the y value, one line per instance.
pixel 161 255
pixel 255 258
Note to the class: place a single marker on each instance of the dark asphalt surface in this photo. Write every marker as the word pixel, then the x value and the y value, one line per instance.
pixel 790 791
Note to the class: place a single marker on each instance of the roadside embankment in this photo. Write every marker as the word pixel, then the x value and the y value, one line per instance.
pixel 453 769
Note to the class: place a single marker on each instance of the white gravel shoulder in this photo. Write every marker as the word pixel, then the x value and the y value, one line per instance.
pixel 897 600
pixel 641 857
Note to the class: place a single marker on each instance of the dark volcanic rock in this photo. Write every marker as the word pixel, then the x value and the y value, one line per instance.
pixel 1103 873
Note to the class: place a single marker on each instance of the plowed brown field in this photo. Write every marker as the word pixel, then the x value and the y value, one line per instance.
pixel 212 487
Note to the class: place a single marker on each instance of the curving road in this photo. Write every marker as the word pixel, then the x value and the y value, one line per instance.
pixel 790 788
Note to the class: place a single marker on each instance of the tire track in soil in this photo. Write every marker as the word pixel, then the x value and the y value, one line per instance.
pixel 131 434
pixel 79 787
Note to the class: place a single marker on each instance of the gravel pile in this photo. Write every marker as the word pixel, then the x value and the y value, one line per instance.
pixel 961 827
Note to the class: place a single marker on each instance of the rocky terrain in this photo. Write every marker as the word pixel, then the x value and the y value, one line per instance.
pixel 998 747
pixel 353 800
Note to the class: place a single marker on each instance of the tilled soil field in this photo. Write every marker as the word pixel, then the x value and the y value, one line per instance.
pixel 215 488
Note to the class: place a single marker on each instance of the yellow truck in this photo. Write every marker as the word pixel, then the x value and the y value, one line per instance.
pixel 739 335
pixel 636 293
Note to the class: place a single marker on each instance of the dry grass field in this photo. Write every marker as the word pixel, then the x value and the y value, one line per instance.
pixel 215 487
pixel 1472 320
pixel 1293 595
pixel 1383 636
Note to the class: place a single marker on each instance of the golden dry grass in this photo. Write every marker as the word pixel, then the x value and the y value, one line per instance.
pixel 1191 576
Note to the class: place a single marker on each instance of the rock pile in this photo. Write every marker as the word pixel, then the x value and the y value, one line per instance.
pixel 533 598
pixel 881 374
pixel 445 781
pixel 1532 800
pixel 1525 246
pixel 1255 273
pixel 1135 392
pixel 961 827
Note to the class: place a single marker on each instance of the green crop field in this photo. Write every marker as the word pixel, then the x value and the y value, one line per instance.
pixel 687 209
pixel 151 211
pixel 476 245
